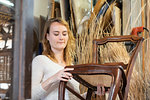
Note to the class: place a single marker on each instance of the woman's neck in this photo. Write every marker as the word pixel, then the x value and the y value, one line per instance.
pixel 59 55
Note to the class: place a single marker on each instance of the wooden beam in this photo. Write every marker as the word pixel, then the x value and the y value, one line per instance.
pixel 148 14
pixel 148 24
pixel 143 34
pixel 51 6
pixel 73 20
pixel 22 47
pixel 29 23
pixel 143 12
pixel 65 9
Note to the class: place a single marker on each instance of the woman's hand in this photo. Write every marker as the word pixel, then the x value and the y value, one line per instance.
pixel 62 75
pixel 101 90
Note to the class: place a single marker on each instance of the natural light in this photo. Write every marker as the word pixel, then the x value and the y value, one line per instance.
pixel 8 44
pixel 6 2
pixel 4 86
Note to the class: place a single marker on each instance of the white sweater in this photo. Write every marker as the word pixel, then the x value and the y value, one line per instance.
pixel 42 69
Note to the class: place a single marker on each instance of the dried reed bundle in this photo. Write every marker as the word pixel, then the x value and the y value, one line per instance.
pixel 84 41
pixel 147 68
pixel 140 83
pixel 84 45
pixel 136 91
pixel 116 52
pixel 84 48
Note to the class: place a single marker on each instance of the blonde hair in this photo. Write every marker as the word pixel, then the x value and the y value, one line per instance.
pixel 69 49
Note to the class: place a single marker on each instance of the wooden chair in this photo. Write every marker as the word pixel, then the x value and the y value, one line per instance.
pixel 120 79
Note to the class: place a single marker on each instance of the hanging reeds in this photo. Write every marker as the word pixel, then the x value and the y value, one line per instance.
pixel 140 83
pixel 84 42
pixel 116 52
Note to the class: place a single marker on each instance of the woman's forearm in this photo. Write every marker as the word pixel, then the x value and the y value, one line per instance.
pixel 47 84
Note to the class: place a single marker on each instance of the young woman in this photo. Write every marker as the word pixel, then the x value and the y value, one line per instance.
pixel 48 68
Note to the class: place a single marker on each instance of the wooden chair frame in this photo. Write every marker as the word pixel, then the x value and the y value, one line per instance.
pixel 120 82
pixel 128 67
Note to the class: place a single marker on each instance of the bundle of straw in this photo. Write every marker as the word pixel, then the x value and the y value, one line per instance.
pixel 140 83
pixel 113 52
pixel 116 52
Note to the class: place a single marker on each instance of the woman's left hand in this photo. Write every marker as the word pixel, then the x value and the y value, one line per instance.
pixel 65 76
pixel 62 75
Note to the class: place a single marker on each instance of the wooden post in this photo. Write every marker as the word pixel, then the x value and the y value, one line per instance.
pixel 148 14
pixel 73 20
pixel 143 24
pixel 53 8
pixel 143 12
pixel 65 9
pixel 29 23
pixel 148 22
pixel 22 48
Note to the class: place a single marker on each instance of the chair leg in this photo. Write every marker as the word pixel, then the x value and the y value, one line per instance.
pixel 89 94
pixel 115 88
pixel 120 95
pixel 61 91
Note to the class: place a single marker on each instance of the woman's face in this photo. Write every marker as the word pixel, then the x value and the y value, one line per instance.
pixel 58 36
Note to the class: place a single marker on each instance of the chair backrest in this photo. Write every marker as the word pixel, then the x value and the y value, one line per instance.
pixel 136 43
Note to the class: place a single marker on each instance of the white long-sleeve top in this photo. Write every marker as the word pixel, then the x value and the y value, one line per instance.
pixel 42 69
